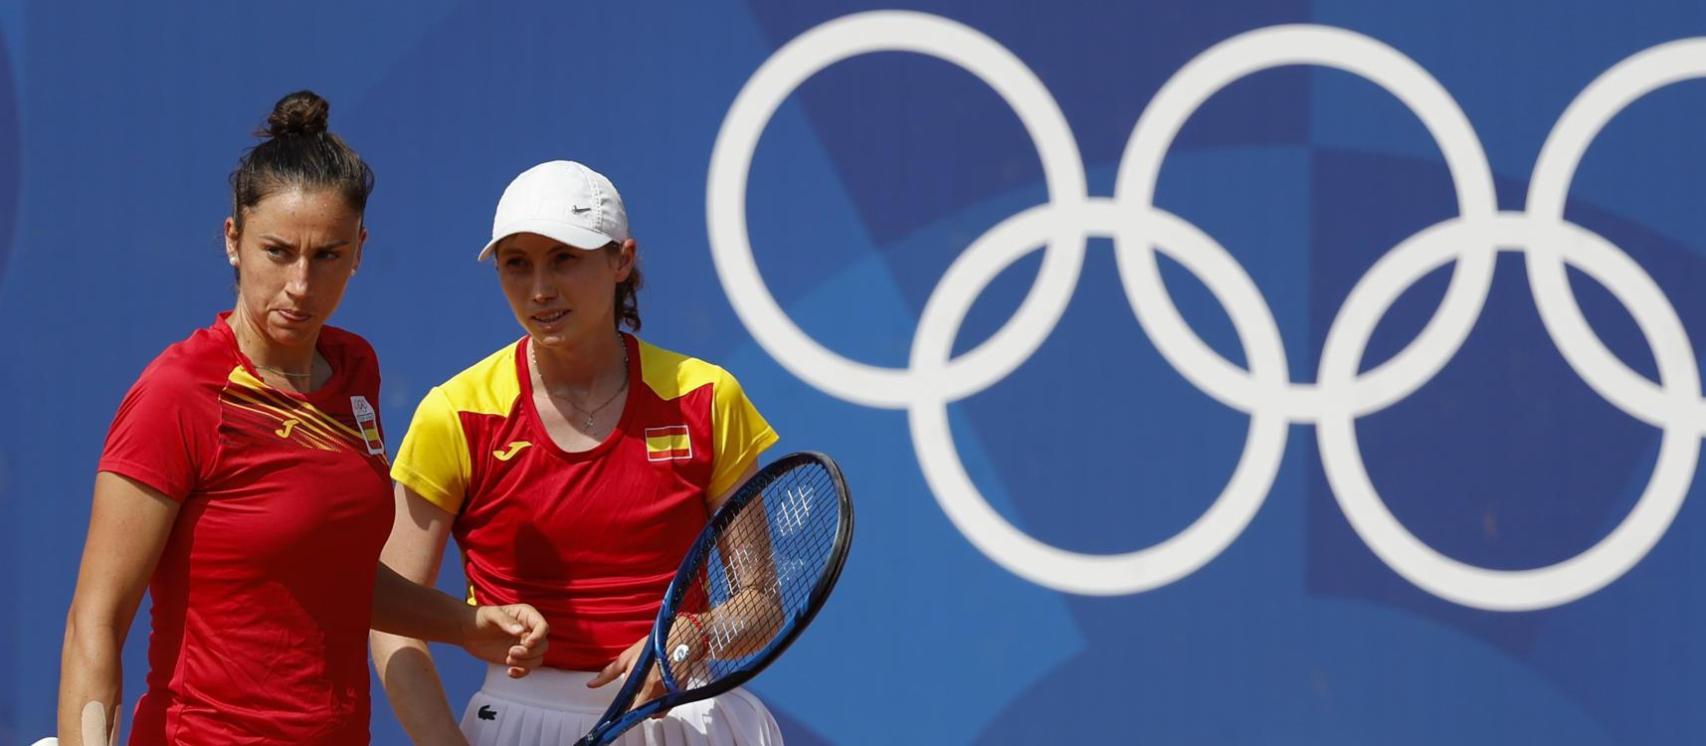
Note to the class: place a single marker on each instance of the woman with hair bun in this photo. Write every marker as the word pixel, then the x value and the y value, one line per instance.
pixel 244 485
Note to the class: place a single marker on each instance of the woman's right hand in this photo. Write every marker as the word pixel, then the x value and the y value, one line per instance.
pixel 622 668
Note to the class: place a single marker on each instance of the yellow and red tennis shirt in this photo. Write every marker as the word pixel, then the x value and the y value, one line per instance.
pixel 589 538
pixel 264 590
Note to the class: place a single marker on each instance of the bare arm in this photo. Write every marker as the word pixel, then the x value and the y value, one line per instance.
pixel 128 527
pixel 406 608
pixel 751 565
pixel 404 663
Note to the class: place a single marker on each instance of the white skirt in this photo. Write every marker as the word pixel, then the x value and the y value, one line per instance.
pixel 553 707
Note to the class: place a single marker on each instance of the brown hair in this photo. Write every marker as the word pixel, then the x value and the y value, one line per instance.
pixel 298 151
pixel 627 291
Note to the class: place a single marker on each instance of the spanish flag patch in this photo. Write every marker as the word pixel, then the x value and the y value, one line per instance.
pixel 668 443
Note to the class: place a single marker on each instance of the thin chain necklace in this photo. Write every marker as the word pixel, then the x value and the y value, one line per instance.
pixel 279 371
pixel 285 373
pixel 590 413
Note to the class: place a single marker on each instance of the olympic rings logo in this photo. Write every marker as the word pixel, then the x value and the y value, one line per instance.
pixel 1265 391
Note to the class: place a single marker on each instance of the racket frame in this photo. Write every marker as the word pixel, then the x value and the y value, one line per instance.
pixel 618 718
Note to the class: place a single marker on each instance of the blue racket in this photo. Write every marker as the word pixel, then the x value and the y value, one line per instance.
pixel 751 582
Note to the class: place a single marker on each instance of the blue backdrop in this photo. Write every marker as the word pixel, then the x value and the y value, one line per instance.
pixel 1088 566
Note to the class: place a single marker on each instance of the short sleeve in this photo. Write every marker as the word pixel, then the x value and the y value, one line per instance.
pixel 161 437
pixel 433 460
pixel 739 434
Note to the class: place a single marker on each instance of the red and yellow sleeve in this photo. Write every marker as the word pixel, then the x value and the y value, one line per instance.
pixel 738 434
pixel 433 460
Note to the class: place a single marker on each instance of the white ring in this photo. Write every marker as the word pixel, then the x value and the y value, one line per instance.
pixel 1607 95
pixel 1278 46
pixel 972 514
pixel 775 80
pixel 1460 582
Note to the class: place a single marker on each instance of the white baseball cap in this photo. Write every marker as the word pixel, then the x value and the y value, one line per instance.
pixel 564 201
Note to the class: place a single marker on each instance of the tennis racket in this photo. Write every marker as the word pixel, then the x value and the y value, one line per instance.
pixel 751 582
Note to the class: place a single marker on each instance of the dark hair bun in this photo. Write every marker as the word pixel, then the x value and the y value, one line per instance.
pixel 300 113
pixel 296 150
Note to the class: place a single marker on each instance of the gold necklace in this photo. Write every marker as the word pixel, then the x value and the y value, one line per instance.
pixel 590 413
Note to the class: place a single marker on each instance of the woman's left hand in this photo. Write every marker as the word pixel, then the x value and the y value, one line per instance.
pixel 513 635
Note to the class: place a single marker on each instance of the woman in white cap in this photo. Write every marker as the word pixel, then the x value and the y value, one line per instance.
pixel 574 466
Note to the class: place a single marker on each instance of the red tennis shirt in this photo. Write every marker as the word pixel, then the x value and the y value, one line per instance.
pixel 264 591
pixel 591 539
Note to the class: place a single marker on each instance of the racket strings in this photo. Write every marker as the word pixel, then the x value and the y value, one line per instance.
pixel 767 562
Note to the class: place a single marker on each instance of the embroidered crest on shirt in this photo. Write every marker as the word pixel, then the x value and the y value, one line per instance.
pixel 368 423
pixel 668 443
